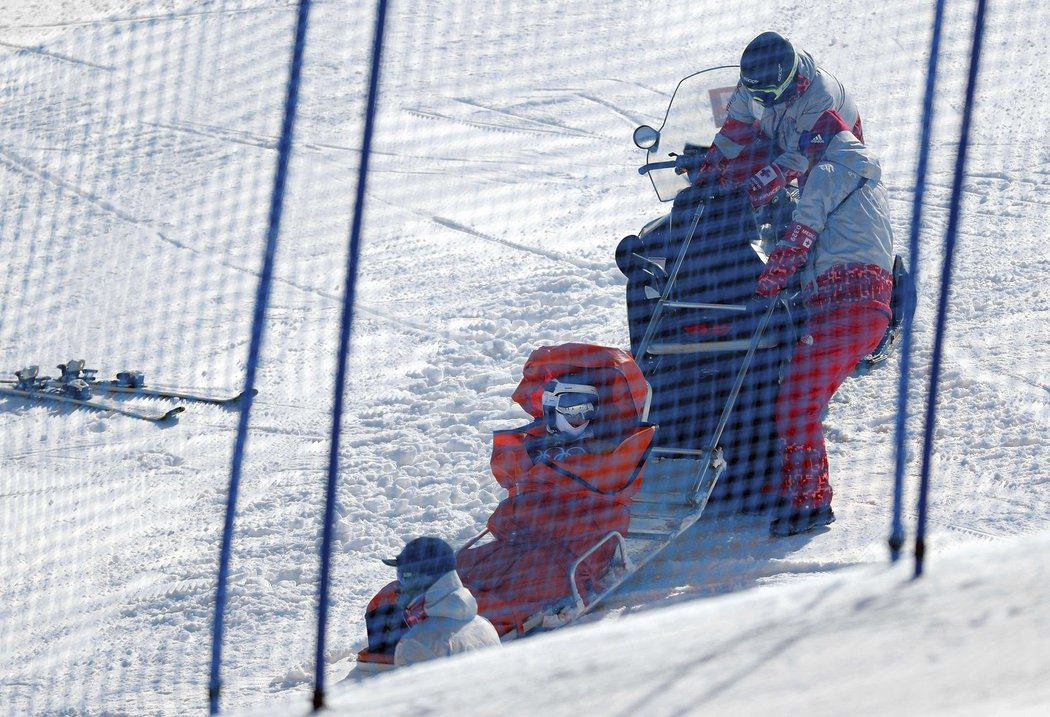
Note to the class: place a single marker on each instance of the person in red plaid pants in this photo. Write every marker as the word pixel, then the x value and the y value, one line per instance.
pixel 790 121
pixel 841 244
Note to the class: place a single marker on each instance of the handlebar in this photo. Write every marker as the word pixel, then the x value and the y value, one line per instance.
pixel 682 164
pixel 646 168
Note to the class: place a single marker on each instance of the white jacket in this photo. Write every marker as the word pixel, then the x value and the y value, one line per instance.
pixel 452 625
pixel 842 198
pixel 845 202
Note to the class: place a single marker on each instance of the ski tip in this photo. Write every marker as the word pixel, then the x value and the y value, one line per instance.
pixel 171 414
pixel 235 401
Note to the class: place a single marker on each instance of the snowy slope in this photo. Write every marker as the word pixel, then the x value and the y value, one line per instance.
pixel 968 639
pixel 137 153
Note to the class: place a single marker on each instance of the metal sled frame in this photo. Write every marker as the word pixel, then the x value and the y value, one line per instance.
pixel 677 486
pixel 678 482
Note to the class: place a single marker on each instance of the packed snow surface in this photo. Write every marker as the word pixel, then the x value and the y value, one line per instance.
pixel 137 156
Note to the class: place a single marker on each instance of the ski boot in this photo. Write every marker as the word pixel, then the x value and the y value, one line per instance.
pixel 801 521
pixel 806 491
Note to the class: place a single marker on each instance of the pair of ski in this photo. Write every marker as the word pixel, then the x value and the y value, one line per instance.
pixel 76 385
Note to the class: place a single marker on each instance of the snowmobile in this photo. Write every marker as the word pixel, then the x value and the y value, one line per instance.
pixel 691 275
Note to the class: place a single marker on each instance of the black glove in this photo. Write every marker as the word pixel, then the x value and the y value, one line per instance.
pixel 688 164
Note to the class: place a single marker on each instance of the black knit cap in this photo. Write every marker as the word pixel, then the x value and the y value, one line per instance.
pixel 425 556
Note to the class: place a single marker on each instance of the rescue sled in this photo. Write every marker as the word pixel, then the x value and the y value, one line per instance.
pixel 666 494
pixel 576 525
pixel 568 510
pixel 580 516
pixel 571 474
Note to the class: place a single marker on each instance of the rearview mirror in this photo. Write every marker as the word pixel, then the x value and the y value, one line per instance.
pixel 645 137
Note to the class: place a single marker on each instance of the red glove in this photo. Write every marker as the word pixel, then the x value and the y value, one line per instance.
pixel 788 256
pixel 766 182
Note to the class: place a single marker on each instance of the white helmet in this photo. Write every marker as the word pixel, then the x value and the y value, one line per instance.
pixel 569 407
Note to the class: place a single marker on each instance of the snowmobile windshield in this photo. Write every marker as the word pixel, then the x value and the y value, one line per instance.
pixel 696 112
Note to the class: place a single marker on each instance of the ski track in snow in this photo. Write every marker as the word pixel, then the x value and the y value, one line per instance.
pixel 20 49
pixel 268 144
pixel 456 226
pixel 545 128
pixel 173 16
pixel 20 164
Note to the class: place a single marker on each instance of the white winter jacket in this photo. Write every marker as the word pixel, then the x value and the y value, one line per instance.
pixel 842 197
pixel 845 202
pixel 452 625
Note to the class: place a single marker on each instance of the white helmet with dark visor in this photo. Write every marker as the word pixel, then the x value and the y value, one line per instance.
pixel 569 407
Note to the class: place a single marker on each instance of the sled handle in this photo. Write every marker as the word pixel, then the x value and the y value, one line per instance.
pixel 654 320
pixel 473 540
pixel 577 599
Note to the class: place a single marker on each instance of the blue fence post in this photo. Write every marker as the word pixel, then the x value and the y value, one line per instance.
pixel 262 297
pixel 946 280
pixel 344 351
pixel 896 540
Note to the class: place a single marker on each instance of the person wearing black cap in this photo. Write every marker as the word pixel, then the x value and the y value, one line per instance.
pixel 440 614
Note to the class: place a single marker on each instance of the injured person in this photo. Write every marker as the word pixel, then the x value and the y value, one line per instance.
pixel 570 475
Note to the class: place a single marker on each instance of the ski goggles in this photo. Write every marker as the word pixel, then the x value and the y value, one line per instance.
pixel 771 94
pixel 766 96
pixel 576 403
pixel 412 581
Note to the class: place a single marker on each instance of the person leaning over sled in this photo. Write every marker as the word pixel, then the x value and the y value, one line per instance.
pixel 790 120
pixel 441 615
pixel 841 244
pixel 782 99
